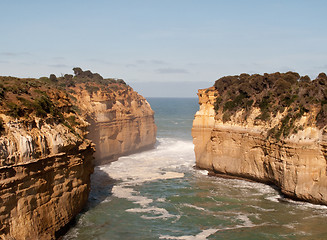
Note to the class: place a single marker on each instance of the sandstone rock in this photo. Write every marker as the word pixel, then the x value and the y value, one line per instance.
pixel 46 163
pixel 121 122
pixel 297 164
pixel 46 182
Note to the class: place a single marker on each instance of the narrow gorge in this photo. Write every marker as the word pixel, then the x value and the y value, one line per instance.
pixel 269 128
pixel 53 132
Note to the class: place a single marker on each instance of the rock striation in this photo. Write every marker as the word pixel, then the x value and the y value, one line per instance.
pixel 121 122
pixel 44 178
pixel 287 147
pixel 49 131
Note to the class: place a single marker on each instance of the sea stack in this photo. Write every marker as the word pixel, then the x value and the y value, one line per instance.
pixel 49 131
pixel 269 128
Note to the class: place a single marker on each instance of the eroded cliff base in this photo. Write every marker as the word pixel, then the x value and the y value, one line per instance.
pixel 49 131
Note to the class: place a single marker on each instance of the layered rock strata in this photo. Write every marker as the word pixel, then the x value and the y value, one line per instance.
pixel 49 130
pixel 44 179
pixel 242 147
pixel 121 122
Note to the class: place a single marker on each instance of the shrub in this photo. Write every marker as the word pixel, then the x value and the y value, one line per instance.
pixel 77 71
pixel 2 92
pixel 264 116
pixel 2 127
pixel 264 104
pixel 229 106
pixel 226 117
pixel 291 77
pixel 273 93
pixel 53 78
pixel 322 76
pixel 97 77
pixel 305 79
pixel 121 81
pixel 91 89
pixel 14 110
pixel 68 77
pixel 248 104
pixel 282 86
pixel 72 120
pixel 111 80
pixel 217 103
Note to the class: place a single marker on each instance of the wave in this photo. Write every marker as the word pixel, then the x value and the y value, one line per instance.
pixel 169 160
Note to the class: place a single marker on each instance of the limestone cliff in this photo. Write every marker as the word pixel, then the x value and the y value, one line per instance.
pixel 121 122
pixel 238 133
pixel 45 173
pixel 49 130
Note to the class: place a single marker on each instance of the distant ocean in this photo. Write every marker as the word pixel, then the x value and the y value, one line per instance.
pixel 157 194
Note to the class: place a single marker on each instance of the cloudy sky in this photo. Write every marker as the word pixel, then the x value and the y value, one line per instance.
pixel 163 48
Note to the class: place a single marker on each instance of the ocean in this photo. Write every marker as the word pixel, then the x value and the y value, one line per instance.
pixel 158 194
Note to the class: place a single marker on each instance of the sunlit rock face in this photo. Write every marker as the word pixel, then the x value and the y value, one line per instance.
pixel 295 163
pixel 44 179
pixel 121 122
pixel 46 162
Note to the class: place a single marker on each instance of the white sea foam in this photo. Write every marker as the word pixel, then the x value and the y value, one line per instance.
pixel 169 160
pixel 201 236
pixel 157 212
pixel 244 220
pixel 305 205
pixel 195 207
pixel 248 185
pixel 202 172
pixel 129 194
pixel 262 209
pixel 274 198
pixel 161 200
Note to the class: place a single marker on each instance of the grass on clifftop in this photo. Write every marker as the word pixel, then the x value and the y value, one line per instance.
pixel 274 93
pixel 50 97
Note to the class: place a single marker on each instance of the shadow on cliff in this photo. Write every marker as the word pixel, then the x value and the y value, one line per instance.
pixel 101 188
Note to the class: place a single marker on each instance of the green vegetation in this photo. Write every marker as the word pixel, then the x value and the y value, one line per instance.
pixel 52 97
pixel 2 127
pixel 272 94
pixel 15 110
pixel 91 89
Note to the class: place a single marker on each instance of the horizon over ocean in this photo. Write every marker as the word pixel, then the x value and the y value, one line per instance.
pixel 157 194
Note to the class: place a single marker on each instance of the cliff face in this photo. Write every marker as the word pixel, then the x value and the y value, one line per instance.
pixel 49 130
pixel 244 147
pixel 121 122
pixel 44 178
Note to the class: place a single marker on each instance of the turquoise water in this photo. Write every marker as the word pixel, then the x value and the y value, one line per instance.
pixel 158 194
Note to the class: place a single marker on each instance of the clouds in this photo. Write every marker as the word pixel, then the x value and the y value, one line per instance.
pixel 60 66
pixel 148 45
pixel 152 61
pixel 171 71
pixel 15 54
pixel 153 64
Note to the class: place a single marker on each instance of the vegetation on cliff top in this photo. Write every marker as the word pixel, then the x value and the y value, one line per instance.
pixel 50 97
pixel 287 93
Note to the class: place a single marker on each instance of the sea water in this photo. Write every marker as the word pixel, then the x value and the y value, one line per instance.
pixel 157 194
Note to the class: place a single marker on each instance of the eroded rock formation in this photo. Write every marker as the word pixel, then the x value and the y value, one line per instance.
pixel 44 178
pixel 49 130
pixel 121 122
pixel 243 145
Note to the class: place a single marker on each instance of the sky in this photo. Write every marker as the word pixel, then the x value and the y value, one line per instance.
pixel 163 48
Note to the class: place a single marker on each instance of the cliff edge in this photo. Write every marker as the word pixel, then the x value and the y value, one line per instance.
pixel 50 129
pixel 269 128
